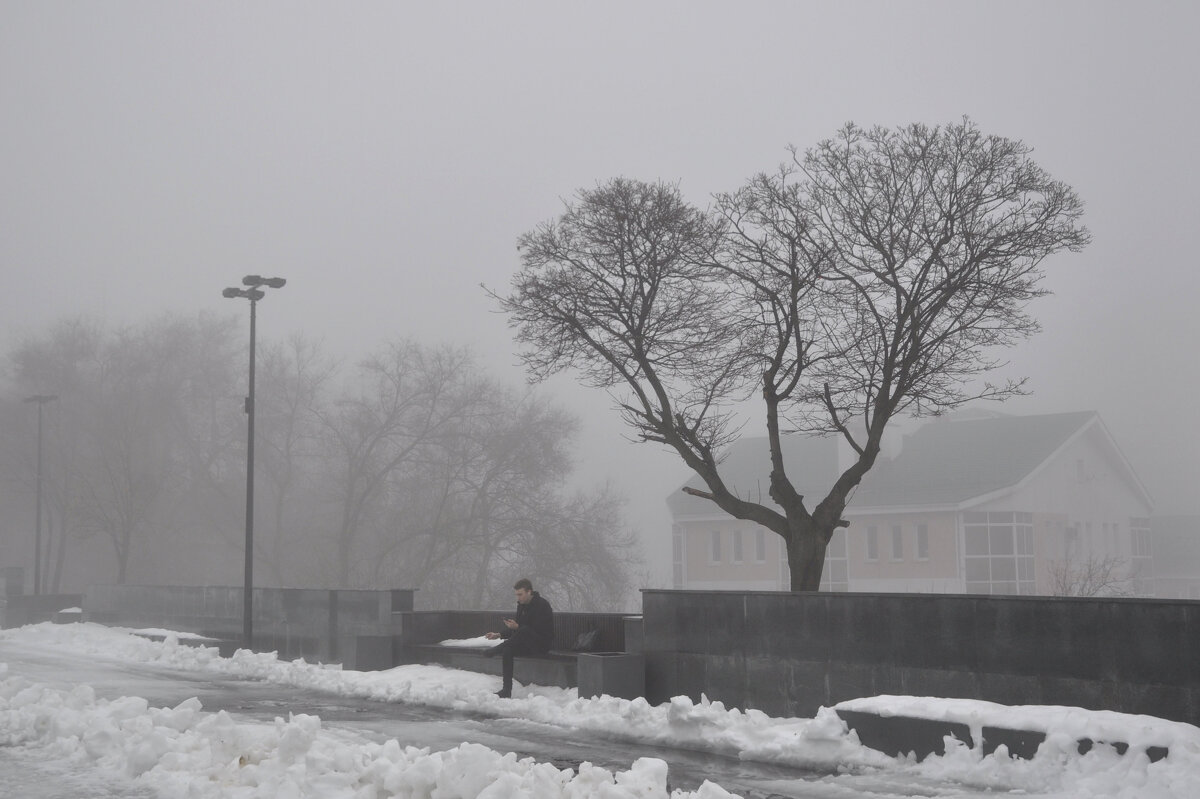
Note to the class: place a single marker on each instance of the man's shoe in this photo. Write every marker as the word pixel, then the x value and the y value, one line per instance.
pixel 504 693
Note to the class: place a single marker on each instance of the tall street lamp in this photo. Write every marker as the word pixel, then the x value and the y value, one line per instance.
pixel 253 291
pixel 41 400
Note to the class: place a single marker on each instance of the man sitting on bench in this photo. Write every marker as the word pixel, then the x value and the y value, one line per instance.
pixel 530 633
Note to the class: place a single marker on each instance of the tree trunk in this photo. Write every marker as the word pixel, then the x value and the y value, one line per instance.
pixel 122 549
pixel 806 546
pixel 481 577
pixel 60 556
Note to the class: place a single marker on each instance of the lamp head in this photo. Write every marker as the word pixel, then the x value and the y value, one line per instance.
pixel 252 294
pixel 258 280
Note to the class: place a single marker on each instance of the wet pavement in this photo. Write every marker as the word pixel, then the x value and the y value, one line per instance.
pixel 420 726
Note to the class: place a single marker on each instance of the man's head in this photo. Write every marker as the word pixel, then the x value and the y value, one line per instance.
pixel 524 590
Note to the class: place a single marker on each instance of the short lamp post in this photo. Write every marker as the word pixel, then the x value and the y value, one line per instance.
pixel 253 291
pixel 41 400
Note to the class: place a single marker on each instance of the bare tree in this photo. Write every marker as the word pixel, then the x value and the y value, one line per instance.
pixel 135 424
pixel 486 502
pixel 150 411
pixel 870 277
pixel 425 474
pixel 1092 576
pixel 407 396
pixel 582 551
pixel 59 361
pixel 295 378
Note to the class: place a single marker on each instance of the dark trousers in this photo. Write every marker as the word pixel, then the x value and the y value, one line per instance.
pixel 523 641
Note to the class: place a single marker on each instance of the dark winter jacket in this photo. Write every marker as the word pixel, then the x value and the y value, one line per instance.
pixel 538 617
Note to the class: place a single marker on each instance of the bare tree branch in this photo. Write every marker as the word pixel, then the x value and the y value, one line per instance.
pixel 874 275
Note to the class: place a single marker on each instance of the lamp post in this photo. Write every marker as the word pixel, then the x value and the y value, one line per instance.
pixel 253 291
pixel 41 400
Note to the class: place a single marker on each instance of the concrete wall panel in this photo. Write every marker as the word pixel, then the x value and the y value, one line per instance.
pixel 789 653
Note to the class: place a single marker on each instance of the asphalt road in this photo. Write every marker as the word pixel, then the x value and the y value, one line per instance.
pixel 412 725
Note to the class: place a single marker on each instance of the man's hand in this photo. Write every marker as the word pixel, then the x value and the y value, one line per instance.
pixel 510 624
pixel 492 636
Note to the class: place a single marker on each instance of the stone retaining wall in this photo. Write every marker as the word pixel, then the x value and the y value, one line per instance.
pixel 295 622
pixel 790 653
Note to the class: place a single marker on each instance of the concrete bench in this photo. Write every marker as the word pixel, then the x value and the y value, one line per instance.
pixel 556 667
pixel 617 671
pixel 620 674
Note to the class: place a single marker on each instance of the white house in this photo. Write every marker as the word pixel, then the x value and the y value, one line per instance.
pixel 988 504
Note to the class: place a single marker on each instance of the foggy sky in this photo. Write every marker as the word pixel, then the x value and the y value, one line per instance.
pixel 384 157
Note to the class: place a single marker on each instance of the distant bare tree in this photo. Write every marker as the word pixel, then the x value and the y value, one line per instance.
pixel 424 473
pixel 57 361
pixel 487 502
pixel 509 450
pixel 1091 576
pixel 870 277
pixel 406 397
pixel 295 377
pixel 135 408
pixel 582 552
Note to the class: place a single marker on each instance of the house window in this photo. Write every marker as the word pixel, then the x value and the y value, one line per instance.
pixel 998 553
pixel 760 545
pixel 1141 567
pixel 1071 542
pixel 922 542
pixel 715 552
pixel 872 543
pixel 835 575
pixel 677 544
pixel 737 546
pixel 897 542
pixel 1112 538
pixel 1139 531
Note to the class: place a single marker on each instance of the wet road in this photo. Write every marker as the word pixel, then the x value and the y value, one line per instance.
pixel 436 728
pixel 410 725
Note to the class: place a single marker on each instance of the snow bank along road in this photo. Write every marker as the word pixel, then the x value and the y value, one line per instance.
pixel 129 747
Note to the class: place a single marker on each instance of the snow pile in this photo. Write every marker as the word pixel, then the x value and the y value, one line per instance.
pixel 479 642
pixel 1073 723
pixel 296 757
pixel 184 752
pixel 1103 771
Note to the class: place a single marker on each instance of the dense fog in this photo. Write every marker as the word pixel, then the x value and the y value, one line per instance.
pixel 412 468
pixel 385 160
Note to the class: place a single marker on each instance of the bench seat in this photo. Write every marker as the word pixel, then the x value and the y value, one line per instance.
pixel 556 667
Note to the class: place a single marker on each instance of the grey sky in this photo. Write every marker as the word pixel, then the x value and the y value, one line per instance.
pixel 385 156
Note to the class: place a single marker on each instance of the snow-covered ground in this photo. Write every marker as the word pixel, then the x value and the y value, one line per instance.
pixel 187 752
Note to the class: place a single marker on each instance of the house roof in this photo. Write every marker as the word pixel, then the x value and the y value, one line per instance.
pixel 945 462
